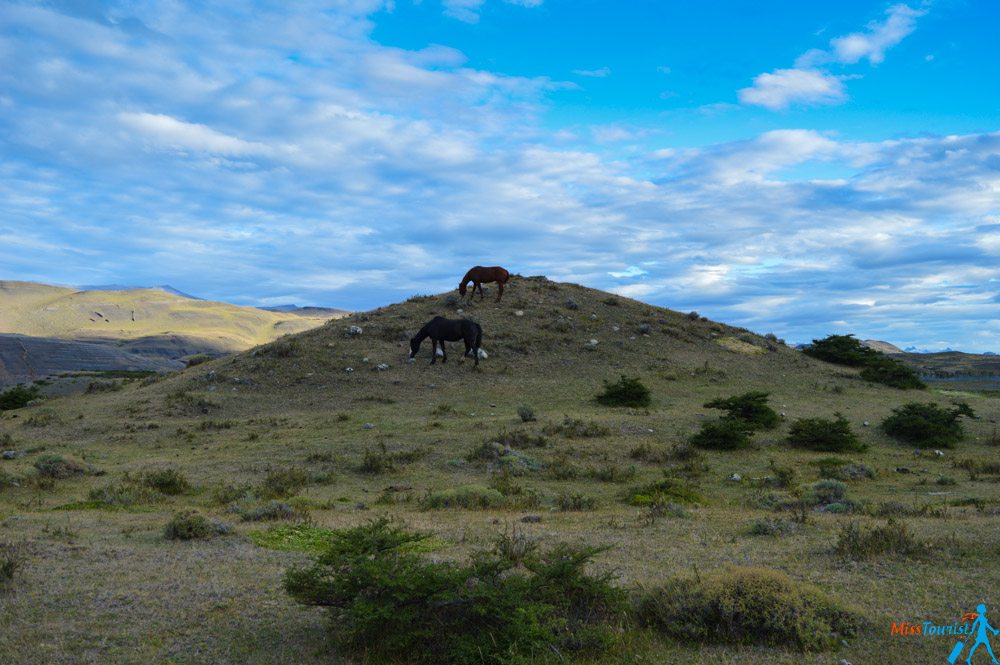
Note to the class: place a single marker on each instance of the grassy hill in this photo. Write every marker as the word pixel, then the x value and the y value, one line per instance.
pixel 127 329
pixel 329 428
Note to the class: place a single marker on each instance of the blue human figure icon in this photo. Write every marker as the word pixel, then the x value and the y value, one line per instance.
pixel 979 628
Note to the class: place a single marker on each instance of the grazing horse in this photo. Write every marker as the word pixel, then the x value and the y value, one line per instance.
pixel 480 275
pixel 442 330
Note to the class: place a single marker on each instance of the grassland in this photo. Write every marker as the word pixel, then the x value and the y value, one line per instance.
pixel 312 423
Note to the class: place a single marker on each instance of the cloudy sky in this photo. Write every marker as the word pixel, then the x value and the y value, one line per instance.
pixel 800 168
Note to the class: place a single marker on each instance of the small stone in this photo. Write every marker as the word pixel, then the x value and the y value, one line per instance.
pixel 902 469
pixel 10 454
pixel 411 360
pixel 864 424
pixel 459 310
pixel 571 304
pixel 939 453
pixel 348 369
pixel 519 312
pixel 593 342
pixel 354 331
pixel 365 359
pixel 736 477
pixel 531 519
pixel 482 354
pixel 382 367
pixel 368 426
pixel 593 317
pixel 615 328
pixel 645 329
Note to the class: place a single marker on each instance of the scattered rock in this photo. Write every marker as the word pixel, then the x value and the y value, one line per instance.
pixel 519 312
pixel 10 454
pixel 615 328
pixel 381 367
pixel 593 317
pixel 365 359
pixel 864 424
pixel 736 477
pixel 593 342
pixel 411 360
pixel 354 331
pixel 939 453
pixel 368 426
pixel 531 519
pixel 902 469
pixel 348 369
pixel 482 354
pixel 645 329
pixel 571 304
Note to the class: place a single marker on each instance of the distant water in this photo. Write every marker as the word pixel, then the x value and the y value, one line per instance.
pixel 963 382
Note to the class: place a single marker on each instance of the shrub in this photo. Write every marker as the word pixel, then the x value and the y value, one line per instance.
pixel 167 481
pixel 857 542
pixel 18 397
pixel 575 502
pixel 725 434
pixel 12 557
pixel 825 492
pixel 59 467
pixel 750 408
pixel 280 483
pixel 122 494
pixel 626 392
pixel 390 605
pixel 839 469
pixel 575 428
pixel 526 413
pixel 825 435
pixel 266 511
pixel 925 425
pixel 294 538
pixel 893 373
pixel 668 490
pixel 469 497
pixel 747 606
pixel 775 527
pixel 189 525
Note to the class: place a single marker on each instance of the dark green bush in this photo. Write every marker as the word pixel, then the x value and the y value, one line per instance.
pixel 825 435
pixel 18 397
pixel 167 481
pixel 893 373
pixel 575 502
pixel 469 497
pixel 668 490
pixel 750 408
pixel 12 557
pixel 747 606
pixel 877 367
pixel 59 467
pixel 575 428
pixel 626 392
pixel 925 425
pixel 724 434
pixel 122 494
pixel 391 605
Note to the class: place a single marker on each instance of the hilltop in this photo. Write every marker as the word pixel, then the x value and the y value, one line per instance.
pixel 46 330
pixel 331 427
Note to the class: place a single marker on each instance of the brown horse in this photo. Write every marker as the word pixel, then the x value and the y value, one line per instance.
pixel 480 275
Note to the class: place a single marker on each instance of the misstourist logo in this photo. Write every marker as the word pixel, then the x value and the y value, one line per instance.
pixel 972 630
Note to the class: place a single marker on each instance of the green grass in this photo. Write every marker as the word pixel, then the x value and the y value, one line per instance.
pixel 104 584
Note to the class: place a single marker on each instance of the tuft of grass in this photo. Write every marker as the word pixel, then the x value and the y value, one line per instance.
pixel 576 501
pixel 468 497
pixel 58 467
pixel 526 414
pixel 167 481
pixel 190 525
pixel 302 537
pixel 12 558
pixel 857 542
pixel 668 490
pixel 747 606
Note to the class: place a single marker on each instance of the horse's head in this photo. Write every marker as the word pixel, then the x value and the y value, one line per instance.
pixel 461 288
pixel 414 346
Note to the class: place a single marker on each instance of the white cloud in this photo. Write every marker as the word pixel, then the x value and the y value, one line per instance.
pixel 806 83
pixel 784 87
pixel 601 73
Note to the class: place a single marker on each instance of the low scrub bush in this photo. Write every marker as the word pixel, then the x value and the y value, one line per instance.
pixel 876 366
pixel 468 497
pixel 12 557
pixel 18 397
pixel 59 467
pixel 839 469
pixel 189 525
pixel 575 428
pixel 391 605
pixel 265 511
pixel 925 425
pixel 747 606
pixel 858 542
pixel 724 434
pixel 774 527
pixel 526 413
pixel 576 501
pixel 168 481
pixel 821 434
pixel 893 373
pixel 668 490
pixel 294 538
pixel 625 392
pixel 282 483
pixel 750 408
pixel 825 492
pixel 122 495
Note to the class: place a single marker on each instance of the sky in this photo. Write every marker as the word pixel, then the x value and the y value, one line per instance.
pixel 796 168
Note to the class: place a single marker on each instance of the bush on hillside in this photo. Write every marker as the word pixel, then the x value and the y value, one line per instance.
pixel 626 392
pixel 747 606
pixel 391 605
pixel 724 434
pixel 825 435
pixel 750 408
pixel 877 367
pixel 18 397
pixel 926 425
pixel 893 373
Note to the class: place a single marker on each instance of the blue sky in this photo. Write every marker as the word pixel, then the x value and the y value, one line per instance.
pixel 795 168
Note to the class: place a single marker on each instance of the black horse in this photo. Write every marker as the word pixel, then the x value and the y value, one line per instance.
pixel 442 330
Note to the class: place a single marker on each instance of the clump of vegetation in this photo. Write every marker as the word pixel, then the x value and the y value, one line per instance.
pixel 840 469
pixel 750 408
pixel 18 397
pixel 300 537
pixel 526 413
pixel 577 501
pixel 121 495
pixel 877 367
pixel 747 606
pixel 774 527
pixel 668 490
pixel 926 425
pixel 190 525
pixel 824 435
pixel 58 467
pixel 12 557
pixel 281 483
pixel 625 392
pixel 575 428
pixel 167 481
pixel 469 497
pixel 520 439
pixel 264 511
pixel 390 604
pixel 857 542
pixel 724 434
pixel 825 492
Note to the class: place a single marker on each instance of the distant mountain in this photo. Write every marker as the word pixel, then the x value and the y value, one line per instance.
pixel 306 311
pixel 42 328
pixel 882 347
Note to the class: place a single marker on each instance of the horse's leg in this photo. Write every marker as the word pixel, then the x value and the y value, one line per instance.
pixel 481 294
pixel 434 348
pixel 499 290
pixel 444 354
pixel 475 348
